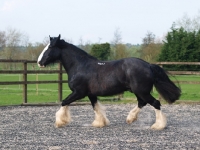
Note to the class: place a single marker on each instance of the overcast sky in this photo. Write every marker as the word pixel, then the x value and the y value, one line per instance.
pixel 94 20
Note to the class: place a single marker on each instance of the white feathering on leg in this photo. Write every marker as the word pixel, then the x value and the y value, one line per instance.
pixel 161 120
pixel 62 117
pixel 100 116
pixel 132 116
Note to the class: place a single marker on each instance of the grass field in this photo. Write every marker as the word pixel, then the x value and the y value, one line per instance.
pixel 12 94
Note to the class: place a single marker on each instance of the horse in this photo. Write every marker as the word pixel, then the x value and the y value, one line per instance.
pixel 88 76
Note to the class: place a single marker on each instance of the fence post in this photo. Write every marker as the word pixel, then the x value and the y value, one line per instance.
pixel 60 81
pixel 25 82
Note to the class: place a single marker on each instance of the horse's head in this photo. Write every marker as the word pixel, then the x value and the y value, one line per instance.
pixel 51 52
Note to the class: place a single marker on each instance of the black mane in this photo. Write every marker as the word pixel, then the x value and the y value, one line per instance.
pixel 77 50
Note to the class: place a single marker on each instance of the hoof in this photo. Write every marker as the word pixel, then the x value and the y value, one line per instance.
pixel 100 117
pixel 62 117
pixel 100 124
pixel 157 126
pixel 60 123
pixel 130 120
pixel 132 116
pixel 161 121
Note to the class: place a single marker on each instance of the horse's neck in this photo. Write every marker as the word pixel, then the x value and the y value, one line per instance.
pixel 72 60
pixel 68 62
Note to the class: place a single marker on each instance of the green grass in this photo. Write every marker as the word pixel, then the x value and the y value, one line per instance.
pixel 12 94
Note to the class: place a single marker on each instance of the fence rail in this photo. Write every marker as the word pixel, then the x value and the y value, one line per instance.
pixel 25 71
pixel 30 71
pixel 178 63
pixel 182 72
pixel 60 72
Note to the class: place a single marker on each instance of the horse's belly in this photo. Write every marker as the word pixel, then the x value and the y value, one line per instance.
pixel 106 89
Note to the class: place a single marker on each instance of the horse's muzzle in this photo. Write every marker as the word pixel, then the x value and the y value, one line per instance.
pixel 41 66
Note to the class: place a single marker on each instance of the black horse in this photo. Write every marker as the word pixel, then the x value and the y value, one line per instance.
pixel 88 76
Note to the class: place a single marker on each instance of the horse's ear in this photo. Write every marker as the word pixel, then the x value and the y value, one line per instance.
pixel 50 38
pixel 59 37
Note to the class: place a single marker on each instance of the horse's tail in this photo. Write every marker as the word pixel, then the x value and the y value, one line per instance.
pixel 165 87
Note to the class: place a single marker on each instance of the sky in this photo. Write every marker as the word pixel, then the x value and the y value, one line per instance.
pixel 94 21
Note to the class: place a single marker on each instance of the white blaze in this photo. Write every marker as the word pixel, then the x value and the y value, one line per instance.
pixel 41 55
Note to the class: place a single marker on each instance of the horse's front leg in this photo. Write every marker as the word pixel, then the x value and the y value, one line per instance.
pixel 100 115
pixel 63 116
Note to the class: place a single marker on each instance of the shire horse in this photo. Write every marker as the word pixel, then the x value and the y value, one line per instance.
pixel 88 76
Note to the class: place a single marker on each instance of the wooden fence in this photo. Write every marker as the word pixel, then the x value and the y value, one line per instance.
pixel 60 72
pixel 25 72
pixel 182 72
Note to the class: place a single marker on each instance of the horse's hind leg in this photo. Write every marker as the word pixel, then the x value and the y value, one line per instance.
pixel 160 117
pixel 100 115
pixel 132 116
pixel 161 120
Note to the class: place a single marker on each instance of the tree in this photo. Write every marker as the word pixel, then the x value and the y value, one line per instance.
pixel 86 46
pixel 14 41
pixel 117 37
pixel 2 39
pixel 181 46
pixel 148 39
pixel 101 51
pixel 12 46
pixel 188 23
pixel 150 49
pixel 118 49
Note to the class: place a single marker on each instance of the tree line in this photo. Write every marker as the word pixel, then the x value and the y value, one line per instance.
pixel 181 43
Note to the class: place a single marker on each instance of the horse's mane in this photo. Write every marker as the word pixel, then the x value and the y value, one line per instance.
pixel 76 50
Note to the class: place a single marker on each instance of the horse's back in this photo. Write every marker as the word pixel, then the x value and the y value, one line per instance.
pixel 113 77
pixel 106 77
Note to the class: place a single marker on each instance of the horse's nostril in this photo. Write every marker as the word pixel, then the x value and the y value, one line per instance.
pixel 39 64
